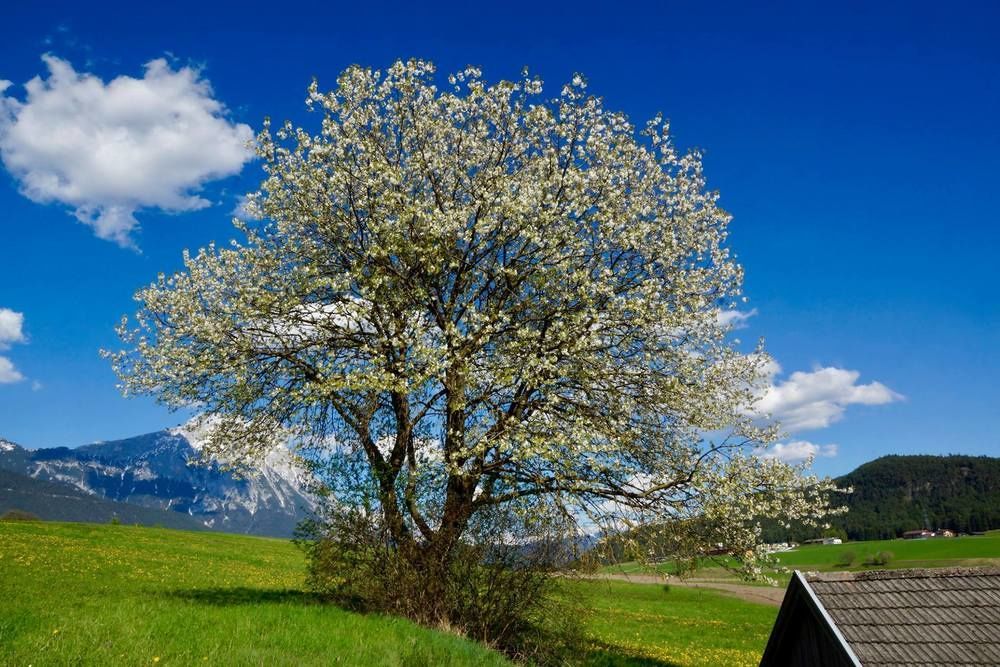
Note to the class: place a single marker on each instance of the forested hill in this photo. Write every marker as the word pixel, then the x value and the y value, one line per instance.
pixel 897 493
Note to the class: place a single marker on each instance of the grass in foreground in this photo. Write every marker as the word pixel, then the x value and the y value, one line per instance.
pixel 647 624
pixel 123 595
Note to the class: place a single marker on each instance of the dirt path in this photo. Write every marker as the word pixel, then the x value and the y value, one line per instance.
pixel 760 594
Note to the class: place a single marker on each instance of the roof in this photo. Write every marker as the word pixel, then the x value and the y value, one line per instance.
pixel 893 618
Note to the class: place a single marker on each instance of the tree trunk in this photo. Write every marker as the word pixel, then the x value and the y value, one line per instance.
pixel 434 558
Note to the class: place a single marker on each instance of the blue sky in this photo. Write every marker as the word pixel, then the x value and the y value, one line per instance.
pixel 856 147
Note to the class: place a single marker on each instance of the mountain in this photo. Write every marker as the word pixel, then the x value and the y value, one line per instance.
pixel 160 471
pixel 60 502
pixel 896 493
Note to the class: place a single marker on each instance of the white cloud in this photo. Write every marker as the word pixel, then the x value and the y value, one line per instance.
pixel 11 328
pixel 110 149
pixel 8 373
pixel 11 331
pixel 735 319
pixel 817 399
pixel 798 451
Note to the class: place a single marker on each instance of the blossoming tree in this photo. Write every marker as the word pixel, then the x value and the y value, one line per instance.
pixel 490 300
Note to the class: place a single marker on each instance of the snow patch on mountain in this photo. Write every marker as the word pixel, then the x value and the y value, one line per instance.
pixel 165 470
pixel 278 469
pixel 194 431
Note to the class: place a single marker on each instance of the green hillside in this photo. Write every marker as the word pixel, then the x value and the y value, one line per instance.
pixel 893 494
pixel 77 594
pixel 62 502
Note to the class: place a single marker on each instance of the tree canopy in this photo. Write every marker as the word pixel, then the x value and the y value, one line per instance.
pixel 467 298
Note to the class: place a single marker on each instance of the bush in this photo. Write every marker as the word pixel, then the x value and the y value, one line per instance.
pixel 19 515
pixel 846 559
pixel 881 558
pixel 493 593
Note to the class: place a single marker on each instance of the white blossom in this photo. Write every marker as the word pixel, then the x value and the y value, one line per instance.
pixel 524 285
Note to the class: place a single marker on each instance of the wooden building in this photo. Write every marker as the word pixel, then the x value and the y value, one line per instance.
pixel 888 618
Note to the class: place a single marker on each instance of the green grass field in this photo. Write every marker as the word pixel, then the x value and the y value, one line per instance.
pixel 122 595
pixel 941 552
pixel 643 624
pixel 79 594
pixel 968 551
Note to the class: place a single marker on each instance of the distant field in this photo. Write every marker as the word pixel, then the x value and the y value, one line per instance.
pixel 938 552
pixel 967 551
pixel 84 594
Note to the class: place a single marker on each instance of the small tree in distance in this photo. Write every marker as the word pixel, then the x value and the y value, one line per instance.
pixel 477 312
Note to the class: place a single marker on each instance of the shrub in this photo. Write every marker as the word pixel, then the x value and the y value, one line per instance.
pixel 881 558
pixel 492 592
pixel 846 559
pixel 19 515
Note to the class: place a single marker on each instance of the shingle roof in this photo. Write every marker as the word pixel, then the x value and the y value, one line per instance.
pixel 897 618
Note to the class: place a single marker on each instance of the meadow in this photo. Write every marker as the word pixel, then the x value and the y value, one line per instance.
pixel 110 595
pixel 125 595
pixel 970 550
pixel 965 551
pixel 660 625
